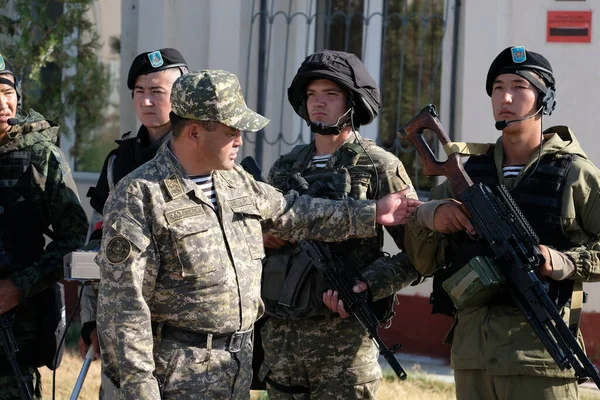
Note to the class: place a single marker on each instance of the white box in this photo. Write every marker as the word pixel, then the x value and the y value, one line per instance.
pixel 80 265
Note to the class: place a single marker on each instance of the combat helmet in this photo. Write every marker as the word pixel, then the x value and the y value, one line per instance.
pixel 345 69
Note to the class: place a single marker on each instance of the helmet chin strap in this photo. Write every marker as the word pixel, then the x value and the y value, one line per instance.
pixel 336 129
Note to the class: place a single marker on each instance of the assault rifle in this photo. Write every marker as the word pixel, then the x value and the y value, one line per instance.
pixel 338 276
pixel 7 338
pixel 501 226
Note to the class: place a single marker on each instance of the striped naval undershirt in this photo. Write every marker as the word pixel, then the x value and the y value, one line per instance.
pixel 320 161
pixel 205 182
pixel 511 171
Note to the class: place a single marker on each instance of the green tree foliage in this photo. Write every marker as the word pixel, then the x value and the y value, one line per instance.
pixel 53 46
pixel 412 44
pixel 410 68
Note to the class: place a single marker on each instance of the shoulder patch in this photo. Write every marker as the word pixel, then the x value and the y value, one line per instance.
pixel 118 250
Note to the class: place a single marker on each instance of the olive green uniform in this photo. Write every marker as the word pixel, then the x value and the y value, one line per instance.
pixel 495 353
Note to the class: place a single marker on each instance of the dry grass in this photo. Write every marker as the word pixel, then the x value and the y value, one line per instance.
pixel 417 387
pixel 66 376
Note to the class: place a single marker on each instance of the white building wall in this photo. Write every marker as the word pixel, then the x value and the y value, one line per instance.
pixel 487 27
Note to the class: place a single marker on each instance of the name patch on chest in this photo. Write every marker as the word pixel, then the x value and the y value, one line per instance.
pixel 240 202
pixel 183 213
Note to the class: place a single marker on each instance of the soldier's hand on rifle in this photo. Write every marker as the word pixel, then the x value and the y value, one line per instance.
pixel 330 298
pixel 9 295
pixel 83 347
pixel 272 242
pixel 450 217
pixel 395 208
pixel 545 269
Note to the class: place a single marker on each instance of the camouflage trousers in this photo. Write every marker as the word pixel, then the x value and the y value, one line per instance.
pixel 185 371
pixel 9 385
pixel 476 384
pixel 331 356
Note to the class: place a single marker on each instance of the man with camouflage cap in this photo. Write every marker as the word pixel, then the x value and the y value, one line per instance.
pixel 182 248
pixel 311 353
pixel 150 79
pixel 37 197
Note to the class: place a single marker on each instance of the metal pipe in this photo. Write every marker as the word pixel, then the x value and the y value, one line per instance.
pixel 453 95
pixel 261 95
pixel 82 374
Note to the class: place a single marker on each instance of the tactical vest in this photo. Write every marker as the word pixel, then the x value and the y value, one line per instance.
pixel 21 230
pixel 539 197
pixel 21 244
pixel 131 153
pixel 292 288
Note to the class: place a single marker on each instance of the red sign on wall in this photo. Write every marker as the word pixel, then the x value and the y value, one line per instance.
pixel 569 26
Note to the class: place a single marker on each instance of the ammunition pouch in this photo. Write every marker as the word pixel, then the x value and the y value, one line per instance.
pixel 292 288
pixel 476 284
pixel 334 185
pixel 52 326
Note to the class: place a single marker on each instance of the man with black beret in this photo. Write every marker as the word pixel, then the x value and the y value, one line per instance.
pixel 495 352
pixel 150 79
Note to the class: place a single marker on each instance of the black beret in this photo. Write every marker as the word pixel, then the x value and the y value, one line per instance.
pixel 153 61
pixel 6 68
pixel 514 59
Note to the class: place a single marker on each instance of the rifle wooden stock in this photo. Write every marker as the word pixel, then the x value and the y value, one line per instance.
pixel 452 168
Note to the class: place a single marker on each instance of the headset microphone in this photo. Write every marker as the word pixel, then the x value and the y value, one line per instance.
pixel 500 125
pixel 12 121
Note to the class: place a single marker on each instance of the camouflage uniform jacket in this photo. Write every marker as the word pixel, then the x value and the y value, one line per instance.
pixel 374 173
pixel 55 202
pixel 497 338
pixel 168 256
pixel 131 153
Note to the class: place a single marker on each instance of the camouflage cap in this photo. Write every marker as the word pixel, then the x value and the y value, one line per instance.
pixel 214 95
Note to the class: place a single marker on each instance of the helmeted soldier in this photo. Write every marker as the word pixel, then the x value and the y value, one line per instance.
pixel 309 351
pixel 37 197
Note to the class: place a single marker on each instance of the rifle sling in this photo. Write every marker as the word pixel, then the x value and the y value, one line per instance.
pixel 576 307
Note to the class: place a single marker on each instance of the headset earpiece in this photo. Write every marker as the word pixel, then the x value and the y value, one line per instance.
pixel 350 101
pixel 547 101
